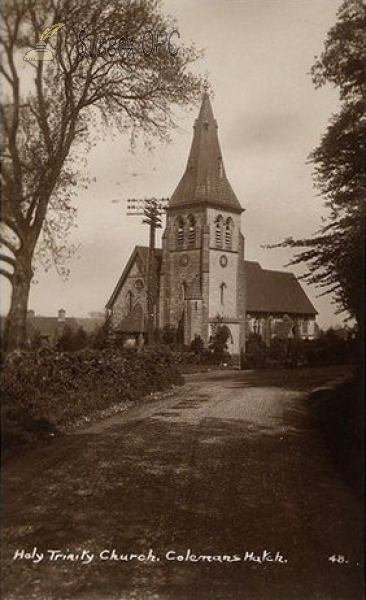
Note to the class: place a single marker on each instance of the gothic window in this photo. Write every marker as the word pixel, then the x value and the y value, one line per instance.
pixel 180 231
pixel 218 231
pixel 184 290
pixel 222 292
pixel 229 232
pixel 129 301
pixel 191 230
pixel 257 326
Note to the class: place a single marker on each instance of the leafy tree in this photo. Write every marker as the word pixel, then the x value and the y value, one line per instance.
pixel 53 111
pixel 334 255
pixel 99 337
pixel 65 341
pixel 72 340
pixel 218 343
pixel 80 338
pixel 36 341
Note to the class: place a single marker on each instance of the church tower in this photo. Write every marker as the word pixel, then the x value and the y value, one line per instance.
pixel 202 273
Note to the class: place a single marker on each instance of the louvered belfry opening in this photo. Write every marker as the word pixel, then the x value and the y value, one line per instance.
pixel 218 231
pixel 228 233
pixel 191 230
pixel 180 231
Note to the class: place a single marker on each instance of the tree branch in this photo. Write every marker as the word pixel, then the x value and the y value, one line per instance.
pixel 13 226
pixel 7 244
pixel 8 259
pixel 6 274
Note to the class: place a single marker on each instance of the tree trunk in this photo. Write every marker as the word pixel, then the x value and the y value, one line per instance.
pixel 15 332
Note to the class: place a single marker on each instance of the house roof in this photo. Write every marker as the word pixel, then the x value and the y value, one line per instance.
pixel 274 292
pixel 51 326
pixel 141 252
pixel 204 180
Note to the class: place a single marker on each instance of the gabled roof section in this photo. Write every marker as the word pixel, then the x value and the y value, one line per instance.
pixel 140 253
pixel 274 292
pixel 205 181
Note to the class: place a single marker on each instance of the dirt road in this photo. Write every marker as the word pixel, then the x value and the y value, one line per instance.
pixel 221 492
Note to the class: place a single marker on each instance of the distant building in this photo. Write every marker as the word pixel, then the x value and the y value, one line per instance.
pixel 49 329
pixel 200 276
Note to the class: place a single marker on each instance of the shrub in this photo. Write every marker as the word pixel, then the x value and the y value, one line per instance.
pixel 168 335
pixel 256 352
pixel 328 349
pixel 197 346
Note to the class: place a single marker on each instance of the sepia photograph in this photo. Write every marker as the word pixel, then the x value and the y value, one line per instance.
pixel 182 299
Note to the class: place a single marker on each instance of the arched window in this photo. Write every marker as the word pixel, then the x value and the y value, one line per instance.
pixel 180 231
pixel 222 292
pixel 257 329
pixel 191 230
pixel 218 231
pixel 229 232
pixel 184 290
pixel 129 301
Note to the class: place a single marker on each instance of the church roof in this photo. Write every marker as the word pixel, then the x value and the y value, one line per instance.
pixel 204 180
pixel 274 292
pixel 267 291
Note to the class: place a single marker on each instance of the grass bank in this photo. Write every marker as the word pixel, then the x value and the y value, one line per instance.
pixel 339 413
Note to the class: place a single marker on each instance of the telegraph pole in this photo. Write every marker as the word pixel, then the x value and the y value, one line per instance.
pixel 152 209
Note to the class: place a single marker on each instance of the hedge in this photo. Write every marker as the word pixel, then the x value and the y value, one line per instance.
pixel 45 391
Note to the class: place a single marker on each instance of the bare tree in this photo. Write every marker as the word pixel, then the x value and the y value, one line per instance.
pixel 112 74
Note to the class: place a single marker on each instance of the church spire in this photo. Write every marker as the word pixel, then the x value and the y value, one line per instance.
pixel 205 181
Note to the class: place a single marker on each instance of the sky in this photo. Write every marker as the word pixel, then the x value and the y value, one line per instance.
pixel 257 56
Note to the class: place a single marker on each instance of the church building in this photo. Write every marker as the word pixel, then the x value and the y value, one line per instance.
pixel 200 278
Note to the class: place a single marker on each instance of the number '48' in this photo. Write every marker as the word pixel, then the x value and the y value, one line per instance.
pixel 337 558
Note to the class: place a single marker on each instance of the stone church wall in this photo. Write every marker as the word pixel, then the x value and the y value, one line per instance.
pixel 122 305
pixel 225 294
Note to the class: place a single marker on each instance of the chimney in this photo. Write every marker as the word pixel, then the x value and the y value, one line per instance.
pixel 61 315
